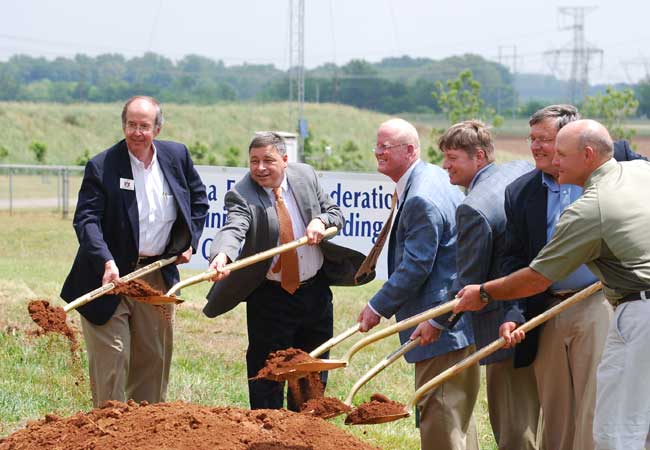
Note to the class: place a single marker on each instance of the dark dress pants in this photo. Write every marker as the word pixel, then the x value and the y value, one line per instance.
pixel 278 320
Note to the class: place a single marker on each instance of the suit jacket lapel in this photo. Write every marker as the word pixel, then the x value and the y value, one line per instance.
pixel 393 231
pixel 170 172
pixel 128 196
pixel 300 192
pixel 271 213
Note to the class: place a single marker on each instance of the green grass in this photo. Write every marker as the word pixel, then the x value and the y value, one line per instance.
pixel 39 376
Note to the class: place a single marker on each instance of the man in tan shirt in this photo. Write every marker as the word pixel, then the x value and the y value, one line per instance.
pixel 606 228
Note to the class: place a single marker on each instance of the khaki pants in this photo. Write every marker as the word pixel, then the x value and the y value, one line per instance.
pixel 514 405
pixel 446 420
pixel 130 355
pixel 570 347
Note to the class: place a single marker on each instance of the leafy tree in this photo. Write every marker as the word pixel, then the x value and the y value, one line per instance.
pixel 83 159
pixel 39 149
pixel 642 94
pixel 232 157
pixel 351 158
pixel 199 151
pixel 613 108
pixel 460 99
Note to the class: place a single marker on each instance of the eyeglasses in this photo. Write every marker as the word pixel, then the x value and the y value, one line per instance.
pixel 134 127
pixel 539 140
pixel 385 148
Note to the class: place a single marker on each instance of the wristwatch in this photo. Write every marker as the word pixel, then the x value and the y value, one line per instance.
pixel 485 297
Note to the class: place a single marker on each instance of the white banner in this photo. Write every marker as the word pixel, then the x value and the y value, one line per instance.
pixel 364 199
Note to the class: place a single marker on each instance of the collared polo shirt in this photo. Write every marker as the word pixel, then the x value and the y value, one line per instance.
pixel 608 229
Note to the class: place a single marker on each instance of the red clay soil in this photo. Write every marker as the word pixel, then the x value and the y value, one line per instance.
pixel 52 319
pixel 137 288
pixel 324 407
pixel 378 406
pixel 307 388
pixel 181 426
pixel 282 359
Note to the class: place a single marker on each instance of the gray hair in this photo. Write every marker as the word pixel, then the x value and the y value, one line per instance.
pixel 469 136
pixel 267 138
pixel 159 114
pixel 402 131
pixel 562 114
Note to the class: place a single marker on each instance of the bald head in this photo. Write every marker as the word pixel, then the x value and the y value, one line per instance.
pixel 402 131
pixel 589 133
pixel 581 147
pixel 397 148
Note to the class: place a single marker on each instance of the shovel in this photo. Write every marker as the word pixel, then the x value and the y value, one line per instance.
pixel 92 295
pixel 169 297
pixel 484 352
pixel 302 369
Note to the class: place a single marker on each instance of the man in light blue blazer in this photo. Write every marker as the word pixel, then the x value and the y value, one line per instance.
pixel 422 269
pixel 468 150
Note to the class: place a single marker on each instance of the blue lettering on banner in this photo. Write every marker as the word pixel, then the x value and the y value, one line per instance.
pixel 375 198
pixel 355 226
pixel 205 248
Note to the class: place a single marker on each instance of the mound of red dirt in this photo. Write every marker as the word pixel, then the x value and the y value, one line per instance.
pixel 181 426
pixel 52 319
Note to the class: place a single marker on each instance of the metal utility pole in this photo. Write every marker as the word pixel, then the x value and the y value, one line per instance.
pixel 502 60
pixel 297 72
pixel 580 51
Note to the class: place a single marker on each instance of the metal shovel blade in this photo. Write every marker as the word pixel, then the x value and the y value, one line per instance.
pixel 379 419
pixel 159 299
pixel 301 370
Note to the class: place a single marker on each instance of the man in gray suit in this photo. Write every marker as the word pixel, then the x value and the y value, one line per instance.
pixel 281 311
pixel 468 150
pixel 421 268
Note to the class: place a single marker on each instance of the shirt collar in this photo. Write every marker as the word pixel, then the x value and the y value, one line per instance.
pixel 549 183
pixel 284 185
pixel 401 183
pixel 477 175
pixel 139 164
pixel 600 172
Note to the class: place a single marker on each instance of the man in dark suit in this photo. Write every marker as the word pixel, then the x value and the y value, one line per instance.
pixel 468 151
pixel 564 352
pixel 139 201
pixel 421 269
pixel 289 302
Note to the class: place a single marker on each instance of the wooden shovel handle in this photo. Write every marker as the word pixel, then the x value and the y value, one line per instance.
pixel 245 262
pixel 92 295
pixel 496 345
pixel 325 346
pixel 387 361
pixel 401 326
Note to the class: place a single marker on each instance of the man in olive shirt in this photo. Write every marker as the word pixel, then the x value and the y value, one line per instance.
pixel 606 228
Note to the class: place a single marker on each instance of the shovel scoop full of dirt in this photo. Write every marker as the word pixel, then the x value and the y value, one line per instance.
pixel 324 407
pixel 51 319
pixel 137 288
pixel 378 407
pixel 278 363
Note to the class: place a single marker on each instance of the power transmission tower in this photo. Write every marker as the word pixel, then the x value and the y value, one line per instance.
pixel 641 61
pixel 297 72
pixel 503 61
pixel 579 50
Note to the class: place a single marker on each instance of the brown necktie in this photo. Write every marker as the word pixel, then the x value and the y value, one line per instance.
pixel 369 264
pixel 288 261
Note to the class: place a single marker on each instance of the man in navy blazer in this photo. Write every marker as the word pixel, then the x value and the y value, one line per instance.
pixel 565 351
pixel 421 269
pixel 468 151
pixel 139 201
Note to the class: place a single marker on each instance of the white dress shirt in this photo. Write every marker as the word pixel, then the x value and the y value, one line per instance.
pixel 310 257
pixel 156 206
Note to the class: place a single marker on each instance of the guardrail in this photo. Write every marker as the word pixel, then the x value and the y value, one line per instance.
pixel 23 190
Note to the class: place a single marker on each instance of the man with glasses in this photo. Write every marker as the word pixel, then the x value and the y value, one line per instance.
pixel 141 200
pixel 564 352
pixel 421 269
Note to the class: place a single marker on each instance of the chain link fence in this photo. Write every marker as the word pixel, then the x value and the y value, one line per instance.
pixel 24 186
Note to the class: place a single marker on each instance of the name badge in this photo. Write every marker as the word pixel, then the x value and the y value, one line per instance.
pixel 127 184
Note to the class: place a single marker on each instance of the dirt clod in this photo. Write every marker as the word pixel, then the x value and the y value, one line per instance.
pixel 378 406
pixel 137 288
pixel 182 426
pixel 324 407
pixel 52 319
pixel 283 359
